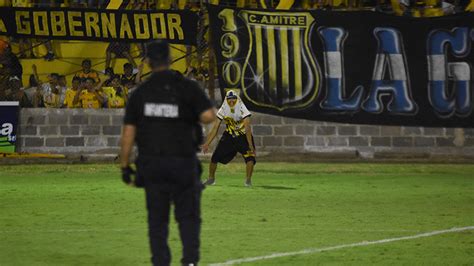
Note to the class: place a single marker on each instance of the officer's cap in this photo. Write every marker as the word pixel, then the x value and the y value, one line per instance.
pixel 158 51
pixel 231 95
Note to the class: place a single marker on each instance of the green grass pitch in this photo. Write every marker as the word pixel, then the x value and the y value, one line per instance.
pixel 84 215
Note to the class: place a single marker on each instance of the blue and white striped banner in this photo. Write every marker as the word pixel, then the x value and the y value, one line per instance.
pixel 352 67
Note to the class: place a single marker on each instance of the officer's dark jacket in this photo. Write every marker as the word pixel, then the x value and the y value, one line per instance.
pixel 165 110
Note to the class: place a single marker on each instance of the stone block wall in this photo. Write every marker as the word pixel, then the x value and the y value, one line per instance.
pixel 70 130
pixel 98 131
pixel 274 133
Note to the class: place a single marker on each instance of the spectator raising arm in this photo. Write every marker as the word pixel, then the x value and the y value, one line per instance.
pixel 77 98
pixel 35 73
pixel 138 77
pixel 37 100
pixel 97 93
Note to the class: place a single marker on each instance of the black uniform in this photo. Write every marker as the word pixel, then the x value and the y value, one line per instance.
pixel 165 110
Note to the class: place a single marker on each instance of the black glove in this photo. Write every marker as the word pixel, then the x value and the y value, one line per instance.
pixel 127 173
pixel 139 181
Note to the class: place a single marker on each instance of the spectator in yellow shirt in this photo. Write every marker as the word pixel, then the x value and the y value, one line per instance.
pixel 116 94
pixel 71 94
pixel 87 71
pixel 89 96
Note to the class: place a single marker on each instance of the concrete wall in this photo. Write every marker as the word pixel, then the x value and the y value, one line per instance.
pixel 70 130
pixel 97 131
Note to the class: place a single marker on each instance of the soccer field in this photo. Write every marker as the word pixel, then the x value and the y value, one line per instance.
pixel 84 215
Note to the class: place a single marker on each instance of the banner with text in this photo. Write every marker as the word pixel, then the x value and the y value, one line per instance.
pixel 175 26
pixel 8 126
pixel 351 67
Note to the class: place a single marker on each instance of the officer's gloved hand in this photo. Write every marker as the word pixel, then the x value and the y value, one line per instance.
pixel 127 173
pixel 139 181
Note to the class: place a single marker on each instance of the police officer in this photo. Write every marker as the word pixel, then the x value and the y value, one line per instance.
pixel 162 117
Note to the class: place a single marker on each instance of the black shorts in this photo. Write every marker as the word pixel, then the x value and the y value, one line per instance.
pixel 229 146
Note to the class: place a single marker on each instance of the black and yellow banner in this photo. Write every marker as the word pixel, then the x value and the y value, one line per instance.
pixel 179 27
pixel 353 67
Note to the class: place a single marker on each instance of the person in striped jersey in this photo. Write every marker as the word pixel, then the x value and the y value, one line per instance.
pixel 237 137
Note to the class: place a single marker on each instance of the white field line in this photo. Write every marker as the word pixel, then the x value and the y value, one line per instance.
pixel 80 230
pixel 359 244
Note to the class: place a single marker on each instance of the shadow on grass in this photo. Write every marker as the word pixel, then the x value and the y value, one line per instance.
pixel 276 187
pixel 266 187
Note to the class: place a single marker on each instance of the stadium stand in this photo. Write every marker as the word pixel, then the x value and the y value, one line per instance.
pixel 91 131
pixel 66 57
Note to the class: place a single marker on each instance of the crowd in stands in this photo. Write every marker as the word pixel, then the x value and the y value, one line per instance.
pixel 88 88
pixel 398 7
pixel 129 4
